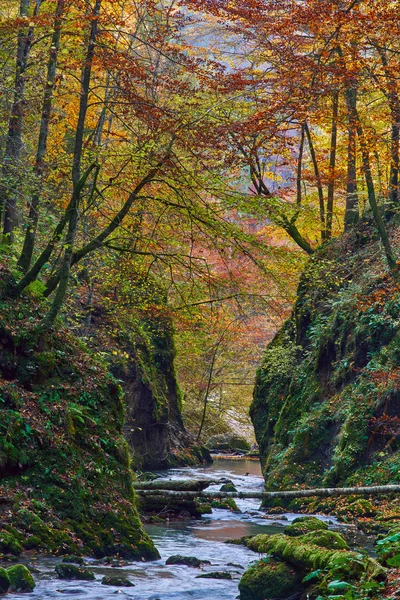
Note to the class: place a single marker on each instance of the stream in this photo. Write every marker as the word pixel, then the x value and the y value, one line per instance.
pixel 202 538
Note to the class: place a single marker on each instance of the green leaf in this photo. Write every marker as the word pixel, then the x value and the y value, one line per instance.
pixel 312 576
pixel 339 586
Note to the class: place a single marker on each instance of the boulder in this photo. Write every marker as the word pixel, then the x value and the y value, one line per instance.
pixel 69 571
pixel 189 561
pixel 228 487
pixel 73 559
pixel 4 581
pixel 21 579
pixel 303 525
pixel 215 575
pixel 228 442
pixel 117 581
pixel 269 579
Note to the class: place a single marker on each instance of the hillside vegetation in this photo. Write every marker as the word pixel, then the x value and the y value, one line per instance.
pixel 326 407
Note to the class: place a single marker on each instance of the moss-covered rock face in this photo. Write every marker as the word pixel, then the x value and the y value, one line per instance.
pixel 269 579
pixel 20 578
pixel 328 388
pixel 141 354
pixel 65 478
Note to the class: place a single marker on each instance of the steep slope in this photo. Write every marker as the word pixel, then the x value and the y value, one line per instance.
pixel 137 340
pixel 326 404
pixel 65 477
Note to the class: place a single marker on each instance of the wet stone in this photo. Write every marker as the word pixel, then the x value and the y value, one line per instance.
pixel 189 561
pixel 215 575
pixel 69 571
pixel 117 581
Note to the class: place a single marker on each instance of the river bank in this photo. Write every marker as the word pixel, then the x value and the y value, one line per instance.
pixel 203 538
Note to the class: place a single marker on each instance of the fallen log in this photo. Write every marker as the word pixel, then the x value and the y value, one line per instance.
pixel 321 492
pixel 181 485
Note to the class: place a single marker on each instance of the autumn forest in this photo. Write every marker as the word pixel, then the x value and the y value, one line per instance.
pixel 199 250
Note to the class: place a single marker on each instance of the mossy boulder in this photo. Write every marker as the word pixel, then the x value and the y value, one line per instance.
pixel 226 504
pixel 310 557
pixel 303 525
pixel 215 575
pixel 269 580
pixel 21 579
pixel 189 561
pixel 69 571
pixel 73 559
pixel 332 540
pixel 228 487
pixel 9 544
pixel 117 581
pixel 4 581
pixel 228 442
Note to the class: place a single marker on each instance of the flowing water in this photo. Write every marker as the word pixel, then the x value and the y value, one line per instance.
pixel 202 538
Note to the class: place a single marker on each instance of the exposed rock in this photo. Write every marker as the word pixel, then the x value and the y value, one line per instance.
pixel 189 561
pixel 21 579
pixel 226 504
pixel 73 559
pixel 117 581
pixel 215 575
pixel 228 442
pixel 269 580
pixel 228 487
pixel 69 571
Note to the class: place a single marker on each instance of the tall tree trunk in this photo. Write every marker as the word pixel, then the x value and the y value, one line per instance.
pixel 73 209
pixel 318 181
pixel 332 166
pixel 394 104
pixel 9 192
pixel 29 241
pixel 391 260
pixel 300 165
pixel 352 213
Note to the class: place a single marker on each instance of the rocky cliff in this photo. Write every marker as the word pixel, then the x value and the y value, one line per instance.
pixel 65 476
pixel 326 406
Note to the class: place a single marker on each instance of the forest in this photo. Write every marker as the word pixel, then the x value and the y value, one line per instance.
pixel 199 260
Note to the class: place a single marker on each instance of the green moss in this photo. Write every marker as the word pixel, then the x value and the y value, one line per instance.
pixel 310 557
pixel 9 544
pixel 21 579
pixel 331 369
pixel 226 504
pixel 228 487
pixel 117 582
pixel 303 525
pixel 68 571
pixel 269 580
pixel 4 581
pixel 327 539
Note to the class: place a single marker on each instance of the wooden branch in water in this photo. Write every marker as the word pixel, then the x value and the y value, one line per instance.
pixel 322 492
pixel 178 485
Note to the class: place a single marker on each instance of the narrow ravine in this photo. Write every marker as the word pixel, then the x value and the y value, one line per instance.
pixel 202 538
